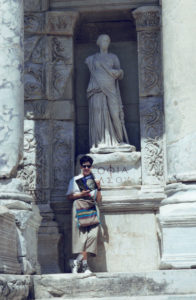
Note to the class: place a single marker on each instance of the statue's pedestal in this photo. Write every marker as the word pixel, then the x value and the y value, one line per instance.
pixel 116 169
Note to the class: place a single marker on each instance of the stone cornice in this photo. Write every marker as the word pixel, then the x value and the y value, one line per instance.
pixel 122 200
pixel 147 18
pixel 87 5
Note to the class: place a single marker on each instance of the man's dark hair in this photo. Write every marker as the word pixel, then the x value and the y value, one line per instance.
pixel 86 158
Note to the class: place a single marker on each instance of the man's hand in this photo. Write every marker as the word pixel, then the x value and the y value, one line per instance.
pixel 98 184
pixel 85 193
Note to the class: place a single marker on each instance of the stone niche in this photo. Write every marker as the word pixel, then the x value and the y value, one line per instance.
pixel 124 45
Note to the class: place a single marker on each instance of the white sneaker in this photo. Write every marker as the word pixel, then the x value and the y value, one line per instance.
pixel 86 270
pixel 74 265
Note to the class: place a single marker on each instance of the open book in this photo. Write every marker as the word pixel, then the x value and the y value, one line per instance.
pixel 87 183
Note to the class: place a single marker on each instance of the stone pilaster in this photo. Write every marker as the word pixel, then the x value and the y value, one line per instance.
pixel 178 211
pixel 60 26
pixel 49 117
pixel 148 21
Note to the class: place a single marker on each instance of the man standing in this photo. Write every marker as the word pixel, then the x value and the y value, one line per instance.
pixel 84 238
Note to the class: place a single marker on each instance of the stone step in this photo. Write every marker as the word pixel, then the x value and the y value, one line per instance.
pixel 168 297
pixel 156 285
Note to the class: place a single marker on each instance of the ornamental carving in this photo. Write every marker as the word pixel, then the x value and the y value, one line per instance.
pixel 147 17
pixel 150 72
pixel 62 152
pixel 37 109
pixel 61 22
pixel 33 81
pixel 61 49
pixel 153 157
pixel 152 119
pixel 59 75
pixel 33 23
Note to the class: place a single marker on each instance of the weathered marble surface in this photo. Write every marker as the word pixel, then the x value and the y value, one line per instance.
pixel 177 215
pixel 178 226
pixel 116 284
pixel 48 241
pixel 26 221
pixel 11 86
pixel 179 19
pixel 14 287
pixel 8 247
pixel 127 242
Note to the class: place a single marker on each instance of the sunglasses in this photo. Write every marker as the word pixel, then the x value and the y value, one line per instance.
pixel 86 166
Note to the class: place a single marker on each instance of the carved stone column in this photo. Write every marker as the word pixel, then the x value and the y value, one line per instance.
pixel 150 92
pixel 12 194
pixel 178 213
pixel 11 87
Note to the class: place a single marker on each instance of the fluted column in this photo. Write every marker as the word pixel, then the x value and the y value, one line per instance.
pixel 11 86
pixel 178 213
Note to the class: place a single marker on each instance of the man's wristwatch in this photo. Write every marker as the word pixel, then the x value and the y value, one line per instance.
pixel 99 189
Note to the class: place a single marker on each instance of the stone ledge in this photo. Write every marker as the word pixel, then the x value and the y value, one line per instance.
pixel 154 283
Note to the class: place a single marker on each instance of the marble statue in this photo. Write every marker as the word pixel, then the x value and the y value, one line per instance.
pixel 107 132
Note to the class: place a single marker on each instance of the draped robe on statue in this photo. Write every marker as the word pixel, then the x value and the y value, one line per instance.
pixel 106 119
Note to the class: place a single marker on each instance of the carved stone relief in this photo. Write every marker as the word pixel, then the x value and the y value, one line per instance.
pixel 34 81
pixel 38 109
pixel 35 49
pixel 150 63
pixel 59 81
pixel 61 49
pixel 153 157
pixel 34 23
pixel 150 90
pixel 35 172
pixel 62 154
pixel 61 22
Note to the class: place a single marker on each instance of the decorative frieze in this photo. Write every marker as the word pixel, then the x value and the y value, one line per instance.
pixel 61 23
pixel 147 17
pixel 34 23
pixel 34 87
pixel 37 109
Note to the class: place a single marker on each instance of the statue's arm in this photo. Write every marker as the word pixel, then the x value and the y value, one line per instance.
pixel 118 68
